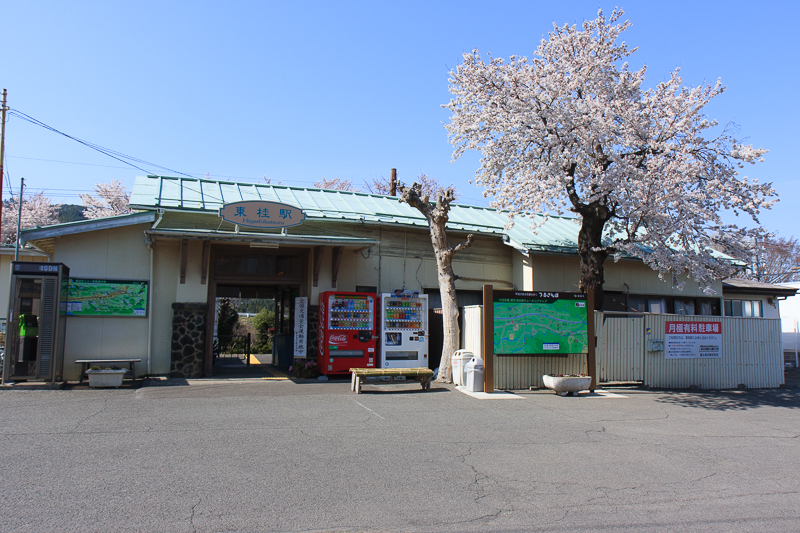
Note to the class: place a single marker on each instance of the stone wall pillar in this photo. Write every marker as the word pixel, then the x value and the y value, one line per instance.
pixel 188 339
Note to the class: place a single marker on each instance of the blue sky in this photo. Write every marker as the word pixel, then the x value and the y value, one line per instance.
pixel 298 91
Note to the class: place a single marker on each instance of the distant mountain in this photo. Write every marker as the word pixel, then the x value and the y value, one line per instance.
pixel 70 213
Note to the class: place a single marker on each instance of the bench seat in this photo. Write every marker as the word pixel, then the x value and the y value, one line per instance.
pixel 359 376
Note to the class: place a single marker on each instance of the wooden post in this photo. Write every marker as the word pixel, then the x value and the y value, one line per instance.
pixel 488 339
pixel 393 183
pixel 337 260
pixel 591 339
pixel 184 259
pixel 317 264
pixel 206 256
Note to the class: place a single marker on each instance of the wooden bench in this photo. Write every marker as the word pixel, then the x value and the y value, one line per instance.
pixel 85 365
pixel 421 375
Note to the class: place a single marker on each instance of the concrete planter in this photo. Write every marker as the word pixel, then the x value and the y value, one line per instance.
pixel 567 385
pixel 107 377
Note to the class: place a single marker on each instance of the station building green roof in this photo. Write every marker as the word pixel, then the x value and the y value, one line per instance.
pixel 555 234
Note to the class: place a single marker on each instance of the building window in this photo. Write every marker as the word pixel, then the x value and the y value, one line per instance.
pixel 684 307
pixel 657 305
pixel 751 308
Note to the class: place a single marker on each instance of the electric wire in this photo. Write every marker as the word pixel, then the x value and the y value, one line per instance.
pixel 119 156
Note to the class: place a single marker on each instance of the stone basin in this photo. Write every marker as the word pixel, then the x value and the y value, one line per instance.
pixel 567 385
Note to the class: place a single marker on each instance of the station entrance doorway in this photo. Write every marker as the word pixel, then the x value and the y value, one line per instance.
pixel 251 310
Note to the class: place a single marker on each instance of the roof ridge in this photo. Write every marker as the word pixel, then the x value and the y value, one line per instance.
pixel 355 193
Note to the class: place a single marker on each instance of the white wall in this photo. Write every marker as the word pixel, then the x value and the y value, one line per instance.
pixel 768 310
pixel 790 309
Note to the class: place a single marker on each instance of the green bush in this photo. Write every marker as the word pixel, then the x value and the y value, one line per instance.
pixel 263 322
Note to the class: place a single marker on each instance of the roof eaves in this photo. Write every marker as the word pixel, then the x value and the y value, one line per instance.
pixel 84 226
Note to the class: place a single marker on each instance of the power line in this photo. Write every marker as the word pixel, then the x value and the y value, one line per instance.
pixel 199 175
pixel 67 162
pixel 119 156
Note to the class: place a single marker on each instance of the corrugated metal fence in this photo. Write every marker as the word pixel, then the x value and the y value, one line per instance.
pixel 751 354
pixel 620 347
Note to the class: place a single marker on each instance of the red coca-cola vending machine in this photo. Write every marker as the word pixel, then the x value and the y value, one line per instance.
pixel 347 331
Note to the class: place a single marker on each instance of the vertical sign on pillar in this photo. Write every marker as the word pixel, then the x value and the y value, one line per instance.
pixel 300 326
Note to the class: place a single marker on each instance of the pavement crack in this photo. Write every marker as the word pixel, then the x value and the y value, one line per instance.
pixel 191 517
pixel 79 422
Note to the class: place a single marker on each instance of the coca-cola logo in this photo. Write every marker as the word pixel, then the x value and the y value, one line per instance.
pixel 337 338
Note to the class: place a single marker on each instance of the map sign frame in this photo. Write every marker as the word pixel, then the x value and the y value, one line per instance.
pixel 108 297
pixel 554 324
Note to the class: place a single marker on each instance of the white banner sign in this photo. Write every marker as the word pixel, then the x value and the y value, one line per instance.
pixel 693 340
pixel 300 326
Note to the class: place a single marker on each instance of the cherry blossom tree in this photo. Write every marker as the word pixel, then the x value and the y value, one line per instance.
pixel 437 215
pixel 336 184
pixel 379 186
pixel 112 200
pixel 37 210
pixel 572 129
pixel 775 260
pixel 429 186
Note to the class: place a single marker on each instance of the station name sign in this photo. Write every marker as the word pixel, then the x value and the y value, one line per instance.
pixel 264 215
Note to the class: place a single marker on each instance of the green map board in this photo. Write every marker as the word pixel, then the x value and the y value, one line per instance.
pixel 97 297
pixel 539 323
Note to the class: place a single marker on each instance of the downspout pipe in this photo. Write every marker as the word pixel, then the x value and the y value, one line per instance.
pixel 150 316
pixel 149 242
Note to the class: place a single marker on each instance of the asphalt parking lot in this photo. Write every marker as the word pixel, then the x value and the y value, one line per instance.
pixel 279 455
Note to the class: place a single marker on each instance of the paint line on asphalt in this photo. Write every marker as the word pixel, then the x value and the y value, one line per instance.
pixel 601 394
pixel 499 395
pixel 368 409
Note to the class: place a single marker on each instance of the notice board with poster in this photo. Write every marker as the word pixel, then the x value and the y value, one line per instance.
pixel 300 326
pixel 540 323
pixel 692 340
pixel 107 297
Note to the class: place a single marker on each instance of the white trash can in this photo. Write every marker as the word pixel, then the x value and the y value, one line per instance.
pixel 475 374
pixel 459 361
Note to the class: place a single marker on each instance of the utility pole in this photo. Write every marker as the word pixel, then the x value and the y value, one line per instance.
pixel 2 152
pixel 19 218
pixel 393 183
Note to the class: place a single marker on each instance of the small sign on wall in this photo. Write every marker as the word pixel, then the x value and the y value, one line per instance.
pixel 300 326
pixel 692 340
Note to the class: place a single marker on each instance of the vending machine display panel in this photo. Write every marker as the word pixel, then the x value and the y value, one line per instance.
pixel 347 331
pixel 404 331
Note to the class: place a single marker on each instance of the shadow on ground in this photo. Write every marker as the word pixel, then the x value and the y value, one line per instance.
pixel 739 400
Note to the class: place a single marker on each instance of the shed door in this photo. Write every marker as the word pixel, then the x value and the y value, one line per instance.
pixel 620 348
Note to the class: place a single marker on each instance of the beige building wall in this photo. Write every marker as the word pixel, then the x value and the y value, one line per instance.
pixel 405 258
pixel 562 273
pixel 118 253
pixel 166 278
pixel 192 291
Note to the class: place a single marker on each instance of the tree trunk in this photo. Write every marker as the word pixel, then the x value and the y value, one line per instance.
pixel 436 215
pixel 447 289
pixel 592 254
